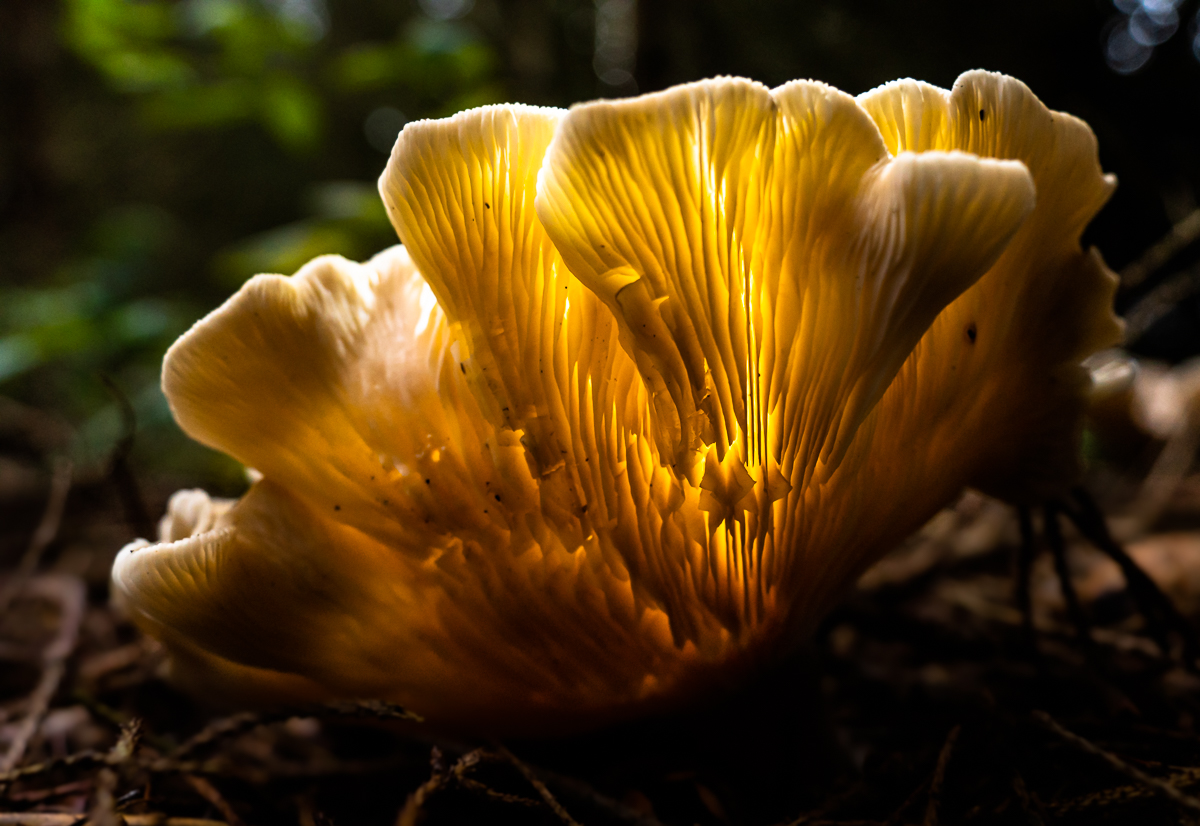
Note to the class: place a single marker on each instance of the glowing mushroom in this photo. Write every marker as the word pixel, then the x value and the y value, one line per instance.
pixel 648 385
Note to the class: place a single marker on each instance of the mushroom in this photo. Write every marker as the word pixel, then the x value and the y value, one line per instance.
pixel 649 384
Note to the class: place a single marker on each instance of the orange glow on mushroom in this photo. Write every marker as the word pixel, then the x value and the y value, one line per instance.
pixel 649 384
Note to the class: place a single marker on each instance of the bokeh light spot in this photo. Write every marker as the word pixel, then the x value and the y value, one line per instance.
pixel 382 126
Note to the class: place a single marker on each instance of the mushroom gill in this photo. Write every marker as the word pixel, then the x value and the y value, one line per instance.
pixel 648 385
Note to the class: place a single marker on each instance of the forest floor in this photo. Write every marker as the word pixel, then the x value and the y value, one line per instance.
pixel 924 699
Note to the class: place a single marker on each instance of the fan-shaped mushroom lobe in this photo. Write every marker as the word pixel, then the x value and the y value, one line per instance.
pixel 1004 358
pixel 399 541
pixel 769 263
pixel 659 379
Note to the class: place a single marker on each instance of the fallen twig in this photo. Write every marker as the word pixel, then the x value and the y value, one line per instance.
pixel 81 758
pixel 1163 788
pixel 136 515
pixel 1029 805
pixel 583 791
pixel 66 819
pixel 97 666
pixel 1058 549
pixel 217 767
pixel 39 795
pixel 820 815
pixel 939 777
pixel 534 781
pixel 1160 612
pixel 104 802
pixel 246 721
pixel 438 778
pixel 1159 302
pixel 210 793
pixel 72 598
pixel 43 535
pixel 1177 238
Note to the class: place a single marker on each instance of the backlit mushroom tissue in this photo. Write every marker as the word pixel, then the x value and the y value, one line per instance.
pixel 648 385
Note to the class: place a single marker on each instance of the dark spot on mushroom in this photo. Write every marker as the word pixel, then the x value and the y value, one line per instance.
pixel 337 507
pixel 486 205
pixel 583 509
pixel 982 115
pixel 497 497
pixel 462 367
pixel 427 481
pixel 971 332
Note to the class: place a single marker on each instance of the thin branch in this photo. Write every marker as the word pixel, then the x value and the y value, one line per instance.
pixel 1166 789
pixel 487 791
pixel 243 722
pixel 43 535
pixel 534 781
pixel 41 795
pixel 104 803
pixel 1029 806
pixel 415 804
pixel 1058 549
pixel 820 814
pixel 939 777
pixel 215 767
pixel 581 790
pixel 65 819
pixel 1166 248
pixel 72 598
pixel 137 517
pixel 1159 302
pixel 1160 612
pixel 81 758
pixel 210 793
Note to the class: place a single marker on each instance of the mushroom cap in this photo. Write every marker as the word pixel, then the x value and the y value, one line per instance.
pixel 648 385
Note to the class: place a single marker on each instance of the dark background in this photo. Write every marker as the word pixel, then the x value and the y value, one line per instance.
pixel 154 154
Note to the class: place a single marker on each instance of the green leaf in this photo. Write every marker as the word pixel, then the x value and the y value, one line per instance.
pixel 292 114
pixel 17 354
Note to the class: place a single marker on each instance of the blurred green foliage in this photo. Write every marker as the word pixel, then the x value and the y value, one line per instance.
pixel 216 63
pixel 187 145
pixel 154 154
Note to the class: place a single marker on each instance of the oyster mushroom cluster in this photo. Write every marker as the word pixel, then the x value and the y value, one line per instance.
pixel 649 383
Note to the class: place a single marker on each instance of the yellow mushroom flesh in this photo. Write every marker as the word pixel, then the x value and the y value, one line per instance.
pixel 648 385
